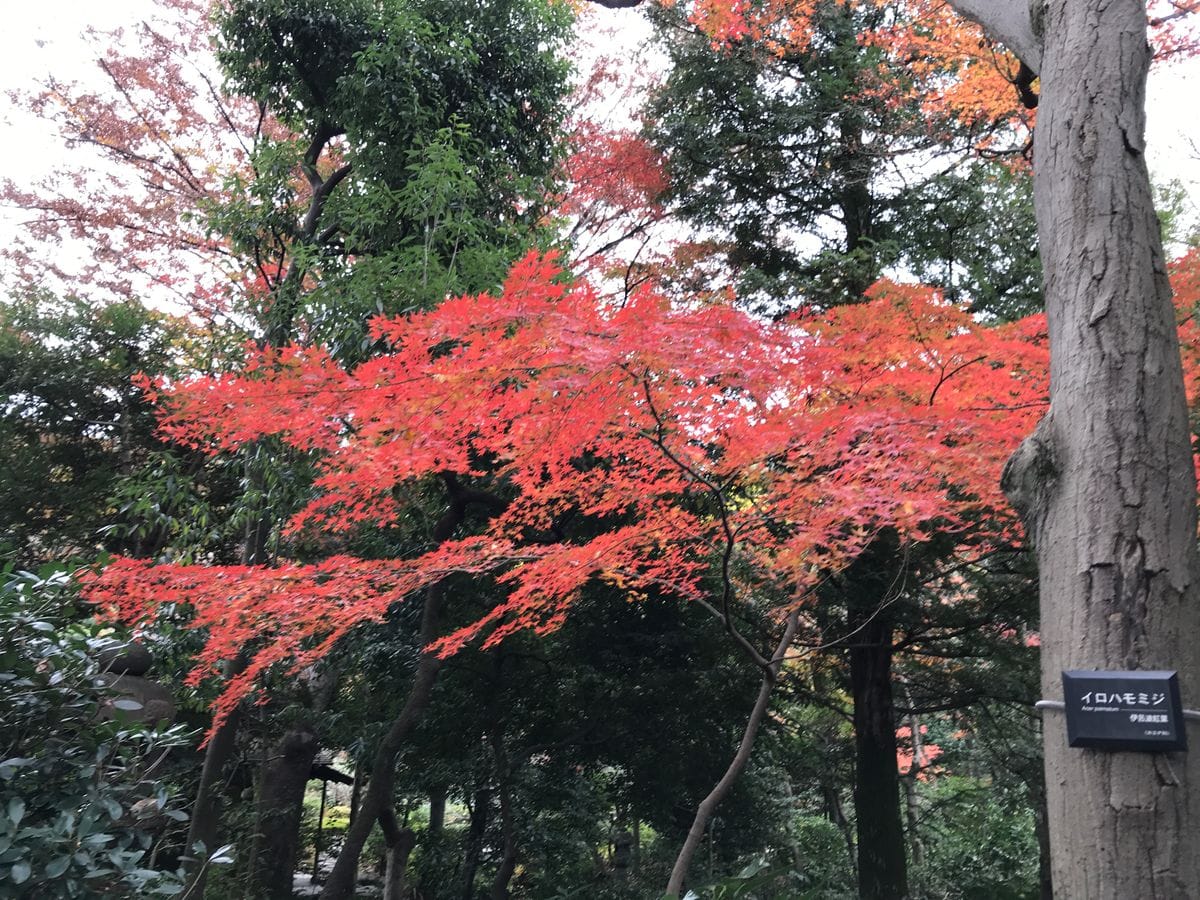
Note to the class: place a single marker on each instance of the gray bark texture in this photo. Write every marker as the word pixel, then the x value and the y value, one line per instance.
pixel 1106 483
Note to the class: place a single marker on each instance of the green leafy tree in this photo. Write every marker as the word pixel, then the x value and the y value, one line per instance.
pixel 73 426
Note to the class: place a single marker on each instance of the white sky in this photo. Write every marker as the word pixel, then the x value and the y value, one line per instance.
pixel 45 35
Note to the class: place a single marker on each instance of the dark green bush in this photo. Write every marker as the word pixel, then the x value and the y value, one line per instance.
pixel 82 811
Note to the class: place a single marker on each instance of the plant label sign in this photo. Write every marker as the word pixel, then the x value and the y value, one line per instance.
pixel 1124 710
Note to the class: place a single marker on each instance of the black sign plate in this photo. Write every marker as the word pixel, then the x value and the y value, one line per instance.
pixel 1124 710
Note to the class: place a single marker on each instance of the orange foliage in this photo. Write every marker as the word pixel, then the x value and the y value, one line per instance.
pixel 947 63
pixel 932 54
pixel 906 764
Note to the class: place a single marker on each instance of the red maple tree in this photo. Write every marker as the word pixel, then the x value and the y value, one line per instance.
pixel 729 458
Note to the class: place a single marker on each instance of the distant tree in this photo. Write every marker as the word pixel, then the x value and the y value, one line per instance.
pixel 73 427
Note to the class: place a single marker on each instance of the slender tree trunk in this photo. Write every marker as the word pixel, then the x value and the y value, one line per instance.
pixel 355 791
pixel 836 815
pixel 205 826
pixel 1042 829
pixel 474 843
pixel 508 827
pixel 340 883
pixel 912 805
pixel 437 811
pixel 1106 483
pixel 709 804
pixel 794 849
pixel 276 846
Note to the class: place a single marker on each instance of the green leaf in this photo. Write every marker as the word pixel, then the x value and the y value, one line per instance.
pixel 57 866
pixel 20 872
pixel 16 810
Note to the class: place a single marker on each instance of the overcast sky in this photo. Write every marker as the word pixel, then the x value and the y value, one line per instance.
pixel 45 35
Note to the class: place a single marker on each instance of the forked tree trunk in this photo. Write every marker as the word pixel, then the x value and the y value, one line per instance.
pixel 1106 483
pixel 399 843
pixel 340 883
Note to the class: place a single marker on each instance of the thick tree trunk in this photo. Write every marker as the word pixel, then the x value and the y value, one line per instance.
pixel 882 871
pixel 276 845
pixel 1106 483
pixel 399 843
pixel 869 590
pixel 709 804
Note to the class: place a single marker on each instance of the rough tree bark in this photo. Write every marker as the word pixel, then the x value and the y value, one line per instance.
pixel 276 844
pixel 882 867
pixel 399 843
pixel 1106 483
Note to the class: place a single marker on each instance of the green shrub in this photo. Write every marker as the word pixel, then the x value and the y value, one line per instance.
pixel 82 813
pixel 982 844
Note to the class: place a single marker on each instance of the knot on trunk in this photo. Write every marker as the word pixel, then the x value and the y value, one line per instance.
pixel 1030 476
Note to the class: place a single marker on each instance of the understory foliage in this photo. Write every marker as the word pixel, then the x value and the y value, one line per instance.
pixel 86 807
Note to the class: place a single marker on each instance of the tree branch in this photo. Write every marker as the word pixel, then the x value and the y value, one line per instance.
pixel 1010 23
